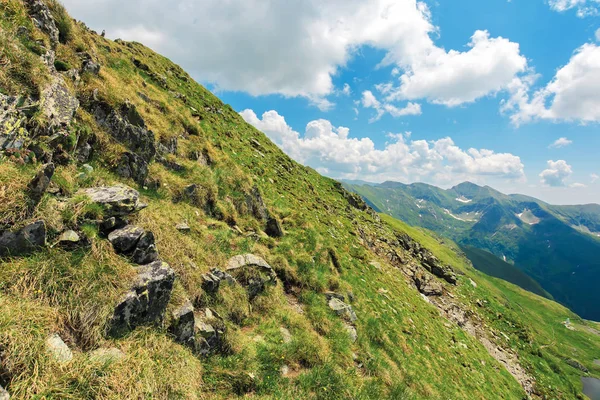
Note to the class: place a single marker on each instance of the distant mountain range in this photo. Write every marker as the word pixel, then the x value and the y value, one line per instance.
pixel 557 246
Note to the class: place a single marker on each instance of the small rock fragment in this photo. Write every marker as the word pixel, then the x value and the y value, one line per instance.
pixel 58 349
pixel 69 239
pixel 183 227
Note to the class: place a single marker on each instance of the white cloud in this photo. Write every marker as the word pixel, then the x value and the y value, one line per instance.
pixel 561 142
pixel 577 185
pixel 346 90
pixel 594 178
pixel 332 151
pixel 573 94
pixel 584 7
pixel 294 48
pixel 556 174
pixel 370 101
pixel 598 35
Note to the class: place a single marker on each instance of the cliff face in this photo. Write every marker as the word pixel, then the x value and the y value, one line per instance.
pixel 154 245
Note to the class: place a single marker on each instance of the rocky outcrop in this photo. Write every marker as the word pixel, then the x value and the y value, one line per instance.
pixel 427 284
pixel 428 260
pixel 134 242
pixel 91 67
pixel 134 167
pixel 183 325
pixel 42 18
pixel 146 301
pixel 116 201
pixel 128 127
pixel 256 207
pixel 57 103
pixel 58 349
pixel 24 240
pixel 38 186
pixel 252 272
pixel 273 227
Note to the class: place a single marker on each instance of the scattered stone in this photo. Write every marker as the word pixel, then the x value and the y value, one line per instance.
pixel 90 67
pixel 333 295
pixel 208 336
pixel 4 395
pixel 342 309
pixel 147 300
pixel 58 104
pixel 168 146
pixel 106 355
pixel 256 205
pixel 24 240
pixel 351 332
pixel 69 239
pixel 112 223
pixel 183 324
pixel 38 186
pixel 58 349
pixel 73 75
pixel 273 228
pixel 472 283
pixel 285 333
pixel 145 250
pixel 125 239
pixel 172 165
pixel 284 370
pixel 183 227
pixel 118 200
pixel 42 18
pixel 133 166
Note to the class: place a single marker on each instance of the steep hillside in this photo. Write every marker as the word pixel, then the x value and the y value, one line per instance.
pixel 555 245
pixel 154 245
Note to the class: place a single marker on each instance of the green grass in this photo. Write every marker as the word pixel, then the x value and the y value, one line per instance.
pixel 404 350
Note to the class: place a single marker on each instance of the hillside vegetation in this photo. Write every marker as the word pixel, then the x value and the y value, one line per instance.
pixel 153 245
pixel 554 245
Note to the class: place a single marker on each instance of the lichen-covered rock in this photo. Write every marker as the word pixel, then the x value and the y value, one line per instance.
pixel 118 200
pixel 342 309
pixel 125 239
pixel 133 166
pixel 145 250
pixel 58 104
pixel 42 18
pixel 351 332
pixel 91 67
pixel 12 124
pixel 128 127
pixel 256 205
pixel 147 300
pixel 58 349
pixel 24 240
pixel 38 186
pixel 183 324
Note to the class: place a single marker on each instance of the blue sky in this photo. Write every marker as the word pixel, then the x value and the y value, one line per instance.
pixel 439 92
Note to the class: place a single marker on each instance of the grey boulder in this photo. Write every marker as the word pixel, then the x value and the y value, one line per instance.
pixel 342 309
pixel 146 302
pixel 38 186
pixel 24 240
pixel 125 239
pixel 117 201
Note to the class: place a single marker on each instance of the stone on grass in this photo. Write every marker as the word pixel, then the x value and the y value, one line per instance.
pixel 351 332
pixel 342 309
pixel 273 228
pixel 146 301
pixel 4 395
pixel 145 250
pixel 58 349
pixel 125 239
pixel 58 104
pixel 38 186
pixel 24 240
pixel 183 324
pixel 285 333
pixel 117 201
pixel 69 239
pixel 183 227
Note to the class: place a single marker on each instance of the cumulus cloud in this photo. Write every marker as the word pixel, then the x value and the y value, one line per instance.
pixel 584 7
pixel 370 101
pixel 332 151
pixel 572 95
pixel 561 142
pixel 294 48
pixel 556 174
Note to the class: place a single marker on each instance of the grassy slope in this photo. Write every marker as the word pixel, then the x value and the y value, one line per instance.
pixel 405 349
